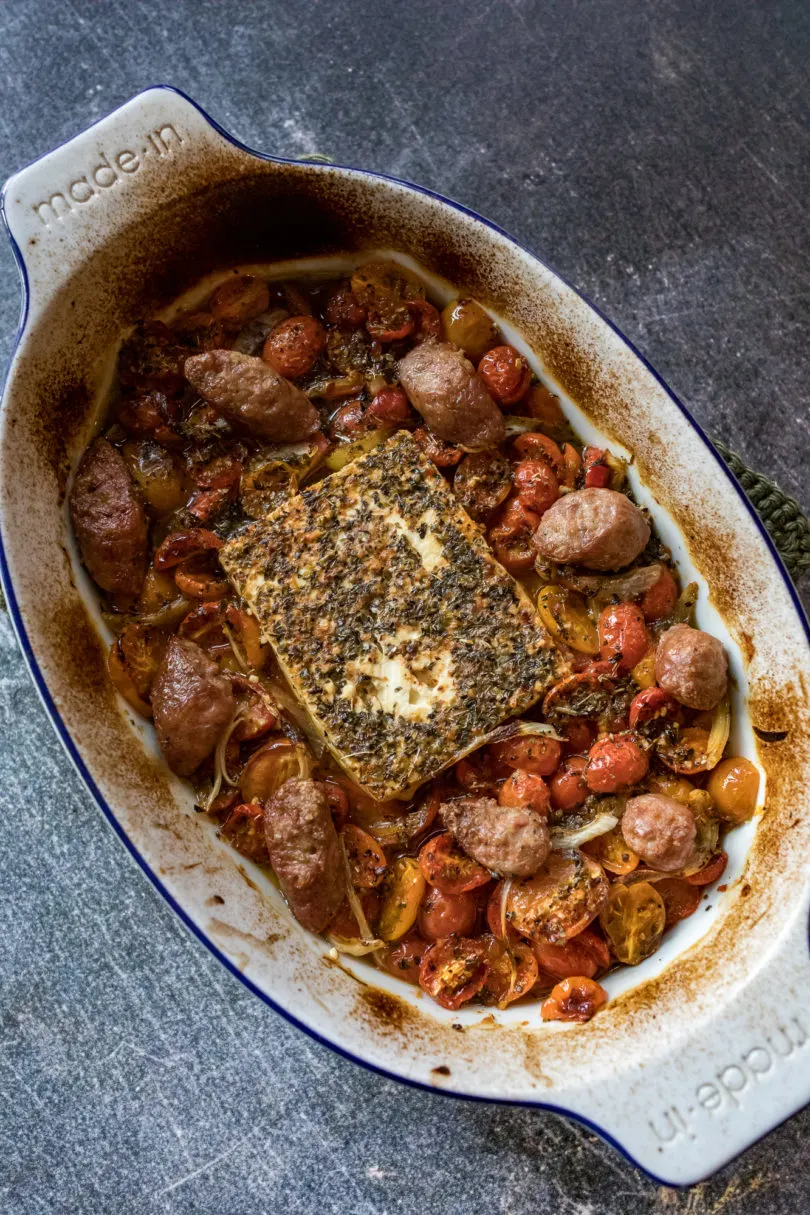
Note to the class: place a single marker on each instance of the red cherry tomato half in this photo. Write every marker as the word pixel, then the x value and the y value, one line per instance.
pixel 447 868
pixel 389 407
pixel 534 446
pixel 404 958
pixel 445 915
pixel 453 970
pixel 532 753
pixel 506 374
pixel 681 899
pixel 650 704
pixel 181 546
pixel 585 954
pixel 512 971
pixel 367 863
pixel 597 472
pixel 710 872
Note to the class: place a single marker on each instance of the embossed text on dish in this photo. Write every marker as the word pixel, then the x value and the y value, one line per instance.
pixel 110 170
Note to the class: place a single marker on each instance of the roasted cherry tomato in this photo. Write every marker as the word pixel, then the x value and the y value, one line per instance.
pixel 512 971
pixel 615 764
pixel 586 694
pixel 623 635
pixel 681 899
pixel 659 601
pixel 651 704
pixel 536 485
pixel 539 448
pixel 612 853
pixel 541 404
pixel 244 830
pixel 446 866
pixel 239 299
pixel 483 480
pixel 633 921
pixel 734 787
pixel 579 734
pixel 269 767
pixel 442 454
pixel 389 320
pixel 567 787
pixel 343 311
pixel 466 324
pixel 403 959
pixel 294 346
pixel 511 537
pixel 535 753
pixel 585 954
pixel 454 970
pixel 574 999
pixel 181 546
pixel 525 789
pixel 444 915
pixel 597 469
pixel 560 900
pixel 506 374
pixel 426 320
pixel 367 863
pixel 711 871
pixel 390 407
pixel 338 801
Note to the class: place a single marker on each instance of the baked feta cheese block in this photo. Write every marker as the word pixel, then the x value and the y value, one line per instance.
pixel 395 626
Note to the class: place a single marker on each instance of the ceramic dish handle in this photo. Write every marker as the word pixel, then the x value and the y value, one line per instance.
pixel 71 201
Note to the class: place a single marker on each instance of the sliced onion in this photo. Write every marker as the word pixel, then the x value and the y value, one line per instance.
pixel 562 840
pixel 685 604
pixel 518 729
pixel 299 715
pixel 356 949
pixel 367 943
pixel 515 425
pixel 715 744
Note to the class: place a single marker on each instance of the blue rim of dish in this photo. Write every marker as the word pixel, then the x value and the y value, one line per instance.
pixel 73 751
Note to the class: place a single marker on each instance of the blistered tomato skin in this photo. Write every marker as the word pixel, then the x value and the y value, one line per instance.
pixel 293 347
pixel 615 764
pixel 623 635
pixel 536 485
pixel 568 788
pixel 536 753
pixel 506 374
pixel 442 915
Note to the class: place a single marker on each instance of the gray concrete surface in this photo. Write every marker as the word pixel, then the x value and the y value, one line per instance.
pixel 658 155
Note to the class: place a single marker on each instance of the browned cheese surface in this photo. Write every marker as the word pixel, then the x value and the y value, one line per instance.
pixel 396 627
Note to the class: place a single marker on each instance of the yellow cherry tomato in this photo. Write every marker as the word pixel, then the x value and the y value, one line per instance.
pixel 643 673
pixel 565 615
pixel 612 852
pixel 734 786
pixel 403 892
pixel 633 921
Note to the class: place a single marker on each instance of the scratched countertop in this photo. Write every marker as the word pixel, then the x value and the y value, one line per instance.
pixel 659 156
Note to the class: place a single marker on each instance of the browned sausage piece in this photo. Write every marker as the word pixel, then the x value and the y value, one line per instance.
pixel 598 528
pixel 250 394
pixel 691 665
pixel 192 703
pixel 305 852
pixel 660 829
pixel 109 520
pixel 446 389
pixel 511 840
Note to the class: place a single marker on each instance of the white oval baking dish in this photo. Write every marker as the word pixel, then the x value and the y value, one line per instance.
pixel 704 1047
